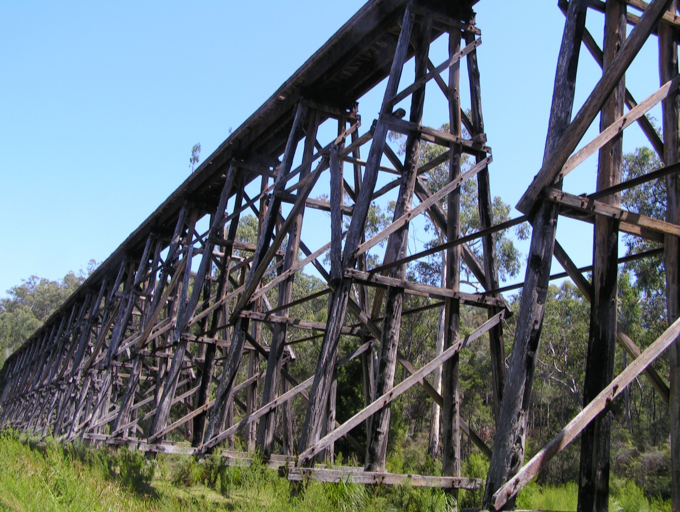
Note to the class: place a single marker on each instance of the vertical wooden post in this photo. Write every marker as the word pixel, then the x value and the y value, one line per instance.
pixel 183 310
pixel 285 292
pixel 337 302
pixel 593 494
pixel 232 362
pixel 251 391
pixel 136 370
pixel 218 318
pixel 434 448
pixel 287 418
pixel 509 445
pixel 485 207
pixel 450 369
pixel 398 244
pixel 367 358
pixel 668 66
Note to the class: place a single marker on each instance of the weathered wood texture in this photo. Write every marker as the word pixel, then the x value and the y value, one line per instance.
pixel 509 445
pixel 668 67
pixel 162 326
pixel 595 439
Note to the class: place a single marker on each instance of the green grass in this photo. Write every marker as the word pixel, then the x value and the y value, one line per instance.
pixel 48 477
pixel 624 497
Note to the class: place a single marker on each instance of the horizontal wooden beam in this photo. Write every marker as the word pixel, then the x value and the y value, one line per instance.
pixel 474 299
pixel 292 322
pixel 350 476
pixel 587 205
pixel 435 136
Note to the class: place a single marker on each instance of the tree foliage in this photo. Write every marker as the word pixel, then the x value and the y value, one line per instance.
pixel 29 304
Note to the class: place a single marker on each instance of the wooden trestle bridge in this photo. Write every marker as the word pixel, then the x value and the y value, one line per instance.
pixel 172 321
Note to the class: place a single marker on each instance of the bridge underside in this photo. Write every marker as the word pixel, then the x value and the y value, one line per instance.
pixel 188 335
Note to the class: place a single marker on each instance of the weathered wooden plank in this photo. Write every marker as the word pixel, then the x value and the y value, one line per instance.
pixel 477 299
pixel 576 425
pixel 616 127
pixel 588 205
pixel 348 476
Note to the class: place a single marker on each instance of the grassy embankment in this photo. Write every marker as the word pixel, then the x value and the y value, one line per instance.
pixel 48 477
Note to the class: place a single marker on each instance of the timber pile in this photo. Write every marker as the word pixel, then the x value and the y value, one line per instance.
pixel 165 340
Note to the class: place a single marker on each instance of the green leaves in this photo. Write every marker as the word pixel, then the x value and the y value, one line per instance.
pixel 28 306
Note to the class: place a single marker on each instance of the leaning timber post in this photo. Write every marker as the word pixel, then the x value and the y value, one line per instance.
pixel 77 376
pixel 188 304
pixel 337 301
pixel 122 315
pixel 67 388
pixel 155 291
pixel 261 259
pixel 593 492
pixel 251 391
pixel 367 358
pixel 169 369
pixel 218 318
pixel 254 363
pixel 287 417
pixel 43 365
pixel 79 373
pixel 450 415
pixel 60 389
pixel 265 435
pixel 433 447
pixel 509 444
pixel 128 301
pixel 25 367
pixel 389 343
pixel 668 65
pixel 337 202
pixel 485 207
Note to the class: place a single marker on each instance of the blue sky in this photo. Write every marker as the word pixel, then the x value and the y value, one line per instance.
pixel 101 103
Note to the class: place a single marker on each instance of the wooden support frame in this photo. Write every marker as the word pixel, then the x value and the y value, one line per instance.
pixel 141 348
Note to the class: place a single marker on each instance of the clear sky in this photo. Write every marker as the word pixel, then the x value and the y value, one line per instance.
pixel 101 103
